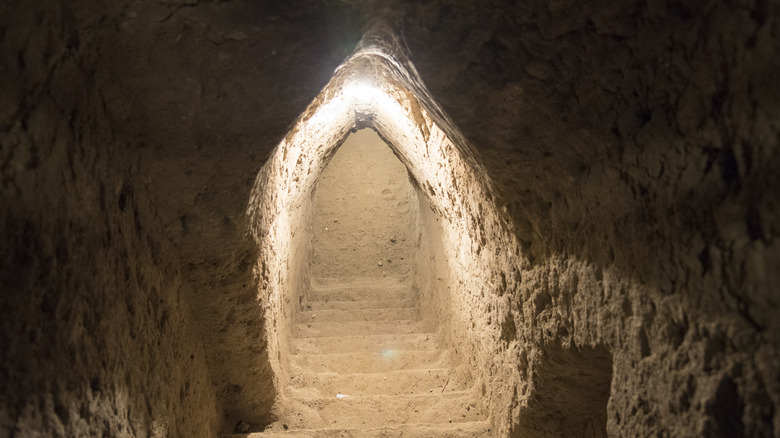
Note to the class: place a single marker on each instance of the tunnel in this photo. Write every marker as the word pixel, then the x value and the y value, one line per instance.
pixel 365 220
pixel 396 302
pixel 317 218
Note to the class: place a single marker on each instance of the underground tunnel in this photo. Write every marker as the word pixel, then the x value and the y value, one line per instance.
pixel 364 224
pixel 367 245
pixel 334 218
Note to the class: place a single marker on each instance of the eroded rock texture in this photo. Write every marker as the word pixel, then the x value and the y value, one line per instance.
pixel 632 144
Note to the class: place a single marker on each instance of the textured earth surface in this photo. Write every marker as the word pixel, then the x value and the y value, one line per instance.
pixel 365 362
pixel 632 147
pixel 363 224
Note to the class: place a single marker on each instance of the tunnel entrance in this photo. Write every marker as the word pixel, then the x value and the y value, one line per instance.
pixel 366 352
pixel 379 281
pixel 364 213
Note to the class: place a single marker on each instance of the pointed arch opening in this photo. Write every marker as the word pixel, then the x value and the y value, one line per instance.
pixel 459 236
pixel 365 214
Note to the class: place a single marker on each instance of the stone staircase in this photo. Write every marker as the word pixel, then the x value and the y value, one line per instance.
pixel 365 364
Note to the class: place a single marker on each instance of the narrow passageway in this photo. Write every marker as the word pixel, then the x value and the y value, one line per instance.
pixel 364 360
pixel 573 229
pixel 364 214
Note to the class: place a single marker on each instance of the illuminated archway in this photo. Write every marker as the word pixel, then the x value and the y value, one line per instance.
pixel 377 87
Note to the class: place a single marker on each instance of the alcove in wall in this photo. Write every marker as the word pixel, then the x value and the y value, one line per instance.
pixel 571 392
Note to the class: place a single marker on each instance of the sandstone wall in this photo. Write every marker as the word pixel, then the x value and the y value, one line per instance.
pixel 432 276
pixel 632 146
pixel 95 334
pixel 204 92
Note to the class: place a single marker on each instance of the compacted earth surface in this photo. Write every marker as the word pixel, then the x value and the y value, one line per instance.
pixel 365 363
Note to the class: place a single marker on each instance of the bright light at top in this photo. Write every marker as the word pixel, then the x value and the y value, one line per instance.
pixel 363 93
pixel 368 99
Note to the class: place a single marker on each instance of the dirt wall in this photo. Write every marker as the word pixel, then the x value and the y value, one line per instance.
pixel 432 276
pixel 632 145
pixel 95 334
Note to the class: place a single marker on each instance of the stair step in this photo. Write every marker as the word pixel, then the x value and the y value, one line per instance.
pixel 382 288
pixel 328 329
pixel 381 410
pixel 369 343
pixel 472 429
pixel 359 282
pixel 419 381
pixel 357 293
pixel 387 360
pixel 355 315
pixel 359 304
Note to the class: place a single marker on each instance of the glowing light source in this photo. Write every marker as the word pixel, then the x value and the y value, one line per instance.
pixel 363 94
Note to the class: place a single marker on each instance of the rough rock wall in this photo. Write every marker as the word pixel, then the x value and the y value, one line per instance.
pixel 280 221
pixel 95 335
pixel 634 145
pixel 432 276
pixel 204 91
pixel 364 224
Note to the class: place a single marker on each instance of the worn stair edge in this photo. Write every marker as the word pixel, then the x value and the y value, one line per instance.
pixel 367 411
pixel 399 382
pixel 474 429
pixel 325 283
pixel 360 294
pixel 367 343
pixel 359 315
pixel 387 360
pixel 358 304
pixel 329 329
